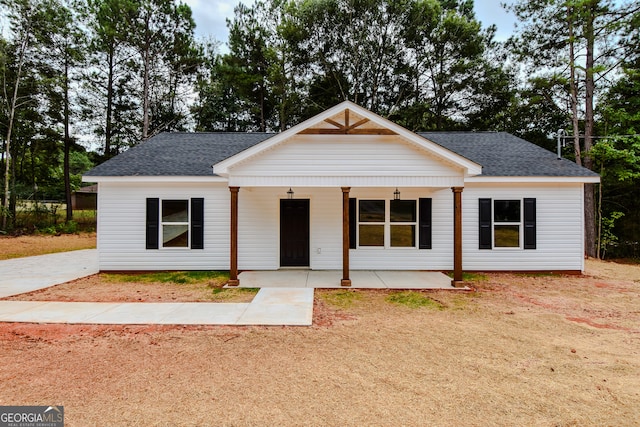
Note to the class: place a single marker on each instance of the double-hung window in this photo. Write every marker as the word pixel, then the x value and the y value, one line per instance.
pixel 507 223
pixel 382 224
pixel 175 223
pixel 371 215
pixel 402 216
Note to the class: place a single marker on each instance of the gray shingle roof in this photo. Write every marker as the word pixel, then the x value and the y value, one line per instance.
pixel 193 154
pixel 503 154
pixel 178 154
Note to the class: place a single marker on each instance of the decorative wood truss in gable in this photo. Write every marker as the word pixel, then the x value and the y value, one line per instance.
pixel 362 126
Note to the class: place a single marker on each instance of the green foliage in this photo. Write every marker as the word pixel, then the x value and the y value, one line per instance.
pixel 414 299
pixel 608 240
pixel 540 274
pixel 79 163
pixel 471 277
pixel 617 159
pixel 221 290
pixel 70 227
pixel 220 294
pixel 342 298
pixel 422 62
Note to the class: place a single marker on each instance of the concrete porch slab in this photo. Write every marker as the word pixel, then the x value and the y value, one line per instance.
pixel 274 279
pixel 414 280
pixel 360 279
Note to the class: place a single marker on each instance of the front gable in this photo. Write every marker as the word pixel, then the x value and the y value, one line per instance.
pixel 347 146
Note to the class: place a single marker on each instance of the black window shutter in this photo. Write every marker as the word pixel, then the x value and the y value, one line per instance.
pixel 424 224
pixel 529 223
pixel 484 213
pixel 352 223
pixel 153 222
pixel 197 223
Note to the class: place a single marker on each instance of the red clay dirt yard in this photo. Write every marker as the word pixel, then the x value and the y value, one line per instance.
pixel 519 350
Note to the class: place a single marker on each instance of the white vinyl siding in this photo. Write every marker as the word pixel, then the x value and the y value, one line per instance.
pixel 559 228
pixel 122 227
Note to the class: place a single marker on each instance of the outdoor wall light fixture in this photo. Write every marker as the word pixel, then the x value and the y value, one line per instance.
pixel 290 194
pixel 396 194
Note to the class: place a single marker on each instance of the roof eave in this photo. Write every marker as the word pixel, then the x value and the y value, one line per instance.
pixel 534 179
pixel 152 178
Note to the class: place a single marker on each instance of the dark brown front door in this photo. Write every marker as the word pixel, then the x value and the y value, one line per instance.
pixel 294 233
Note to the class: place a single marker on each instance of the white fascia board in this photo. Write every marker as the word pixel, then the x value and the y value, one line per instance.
pixel 534 179
pixel 472 168
pixel 154 179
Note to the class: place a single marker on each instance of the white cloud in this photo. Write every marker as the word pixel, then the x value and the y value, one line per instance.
pixel 211 15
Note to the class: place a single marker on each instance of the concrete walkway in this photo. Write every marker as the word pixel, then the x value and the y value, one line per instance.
pixel 273 306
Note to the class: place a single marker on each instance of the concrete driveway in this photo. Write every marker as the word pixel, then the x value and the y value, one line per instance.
pixel 21 275
pixel 274 306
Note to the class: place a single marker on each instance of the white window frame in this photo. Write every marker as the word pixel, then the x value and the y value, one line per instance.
pixel 187 223
pixel 495 223
pixel 387 226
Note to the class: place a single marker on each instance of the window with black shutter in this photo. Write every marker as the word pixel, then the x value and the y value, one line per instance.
pixel 530 223
pixel 197 223
pixel 507 223
pixel 353 221
pixel 424 223
pixel 175 223
pixel 484 213
pixel 153 214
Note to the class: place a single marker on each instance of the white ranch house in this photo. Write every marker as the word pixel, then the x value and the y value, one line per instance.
pixel 345 190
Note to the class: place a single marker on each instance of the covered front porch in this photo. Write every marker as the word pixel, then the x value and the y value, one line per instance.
pixel 326 232
pixel 362 279
pixel 347 188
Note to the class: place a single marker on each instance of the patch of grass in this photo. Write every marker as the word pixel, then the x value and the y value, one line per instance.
pixel 461 301
pixel 236 290
pixel 414 299
pixel 471 277
pixel 242 294
pixel 179 277
pixel 540 274
pixel 343 298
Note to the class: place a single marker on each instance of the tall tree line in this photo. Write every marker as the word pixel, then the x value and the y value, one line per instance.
pixel 119 71
pixel 578 46
pixel 425 63
pixel 111 71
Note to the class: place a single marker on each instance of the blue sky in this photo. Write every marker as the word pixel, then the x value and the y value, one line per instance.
pixel 210 17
